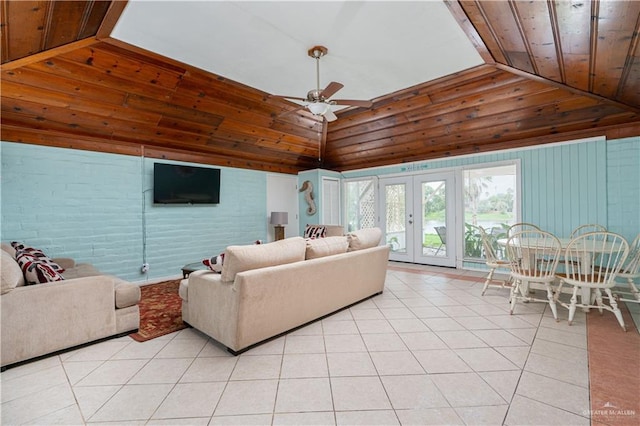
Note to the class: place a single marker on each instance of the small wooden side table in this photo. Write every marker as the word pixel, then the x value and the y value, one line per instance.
pixel 191 267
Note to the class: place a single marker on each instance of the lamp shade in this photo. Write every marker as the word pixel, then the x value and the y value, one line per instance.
pixel 279 218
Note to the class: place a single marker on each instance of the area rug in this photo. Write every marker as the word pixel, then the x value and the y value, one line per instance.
pixel 160 311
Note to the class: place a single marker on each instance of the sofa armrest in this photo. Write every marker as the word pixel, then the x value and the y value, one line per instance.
pixel 65 262
pixel 127 294
pixel 213 306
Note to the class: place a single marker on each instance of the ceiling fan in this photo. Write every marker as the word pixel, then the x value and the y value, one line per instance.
pixel 317 100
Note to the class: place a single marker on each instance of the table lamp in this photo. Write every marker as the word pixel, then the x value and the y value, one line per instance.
pixel 278 220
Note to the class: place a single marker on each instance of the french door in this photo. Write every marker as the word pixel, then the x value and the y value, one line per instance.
pixel 418 218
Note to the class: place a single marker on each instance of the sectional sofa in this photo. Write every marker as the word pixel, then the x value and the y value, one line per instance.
pixel 266 290
pixel 46 318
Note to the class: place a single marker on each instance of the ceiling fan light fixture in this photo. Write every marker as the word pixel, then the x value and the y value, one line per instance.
pixel 318 108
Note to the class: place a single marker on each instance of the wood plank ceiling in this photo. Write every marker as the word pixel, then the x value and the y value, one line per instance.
pixel 554 71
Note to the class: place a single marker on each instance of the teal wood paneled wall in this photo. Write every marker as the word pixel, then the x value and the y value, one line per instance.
pixel 623 186
pixel 564 185
pixel 90 206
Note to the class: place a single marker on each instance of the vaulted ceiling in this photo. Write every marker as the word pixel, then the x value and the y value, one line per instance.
pixel 553 71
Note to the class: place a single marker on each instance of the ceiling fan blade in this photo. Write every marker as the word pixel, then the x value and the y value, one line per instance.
pixel 331 88
pixel 330 116
pixel 291 111
pixel 296 98
pixel 365 104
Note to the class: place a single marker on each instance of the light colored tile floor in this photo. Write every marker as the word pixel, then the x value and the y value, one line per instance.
pixel 429 350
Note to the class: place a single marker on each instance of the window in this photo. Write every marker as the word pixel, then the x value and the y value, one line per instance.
pixel 360 204
pixel 490 201
pixel 330 201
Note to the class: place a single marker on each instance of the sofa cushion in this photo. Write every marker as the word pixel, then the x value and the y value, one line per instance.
pixel 81 270
pixel 243 258
pixel 326 247
pixel 11 273
pixel 7 247
pixel 364 238
pixel 315 231
pixel 38 270
pixel 127 294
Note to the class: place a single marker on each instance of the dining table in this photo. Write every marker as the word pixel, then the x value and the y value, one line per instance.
pixel 586 260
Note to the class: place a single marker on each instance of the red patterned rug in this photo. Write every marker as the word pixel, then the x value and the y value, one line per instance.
pixel 160 311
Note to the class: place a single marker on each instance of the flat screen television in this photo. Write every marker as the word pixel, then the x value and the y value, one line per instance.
pixel 177 184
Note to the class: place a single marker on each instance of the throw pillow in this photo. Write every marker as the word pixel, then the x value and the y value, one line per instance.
pixel 364 238
pixel 326 247
pixel 315 231
pixel 214 263
pixel 20 248
pixel 37 270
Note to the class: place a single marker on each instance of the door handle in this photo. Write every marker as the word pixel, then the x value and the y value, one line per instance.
pixel 410 222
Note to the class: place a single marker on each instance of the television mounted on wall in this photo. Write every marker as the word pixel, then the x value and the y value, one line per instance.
pixel 179 184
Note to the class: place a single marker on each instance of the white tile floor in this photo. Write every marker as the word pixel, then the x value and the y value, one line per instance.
pixel 429 350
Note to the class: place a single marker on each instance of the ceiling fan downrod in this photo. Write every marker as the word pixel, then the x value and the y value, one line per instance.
pixel 317 52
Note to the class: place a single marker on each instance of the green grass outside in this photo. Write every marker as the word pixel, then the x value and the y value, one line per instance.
pixel 490 216
pixel 431 240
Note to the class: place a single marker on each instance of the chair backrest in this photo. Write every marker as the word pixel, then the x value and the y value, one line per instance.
pixel 489 246
pixel 521 226
pixel 583 229
pixel 533 254
pixel 631 267
pixel 442 233
pixel 596 258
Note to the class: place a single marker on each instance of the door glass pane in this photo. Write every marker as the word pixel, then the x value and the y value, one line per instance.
pixel 395 197
pixel 360 204
pixel 489 202
pixel 434 224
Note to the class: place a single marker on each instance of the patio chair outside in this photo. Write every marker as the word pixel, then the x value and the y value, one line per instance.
pixel 442 234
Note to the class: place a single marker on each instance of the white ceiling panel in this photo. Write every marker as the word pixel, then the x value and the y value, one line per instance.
pixel 375 48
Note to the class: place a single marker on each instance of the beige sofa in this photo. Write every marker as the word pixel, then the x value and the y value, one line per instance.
pixel 46 318
pixel 266 290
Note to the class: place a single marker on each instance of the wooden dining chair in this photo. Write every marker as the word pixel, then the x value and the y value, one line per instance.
pixel 630 271
pixel 533 258
pixel 493 260
pixel 584 229
pixel 600 256
pixel 521 226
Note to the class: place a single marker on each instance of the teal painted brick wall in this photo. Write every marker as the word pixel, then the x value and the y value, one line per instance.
pixel 78 204
pixel 89 206
pixel 179 234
